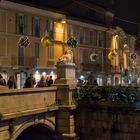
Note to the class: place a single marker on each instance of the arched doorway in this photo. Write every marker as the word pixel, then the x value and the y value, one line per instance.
pixel 37 132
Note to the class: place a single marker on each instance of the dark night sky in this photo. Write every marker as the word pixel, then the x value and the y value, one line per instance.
pixel 125 9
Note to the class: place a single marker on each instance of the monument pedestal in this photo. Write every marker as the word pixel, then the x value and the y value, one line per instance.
pixel 66 74
pixel 66 84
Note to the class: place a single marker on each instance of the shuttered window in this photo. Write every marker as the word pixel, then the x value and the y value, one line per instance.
pixel 50 28
pixel 36 26
pixel 21 24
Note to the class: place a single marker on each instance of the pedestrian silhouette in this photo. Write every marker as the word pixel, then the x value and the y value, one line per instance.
pixel 50 81
pixel 12 82
pixel 30 82
pixel 2 81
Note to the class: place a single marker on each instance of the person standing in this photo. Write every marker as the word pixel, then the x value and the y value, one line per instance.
pixel 2 81
pixel 30 81
pixel 50 81
pixel 12 82
pixel 41 83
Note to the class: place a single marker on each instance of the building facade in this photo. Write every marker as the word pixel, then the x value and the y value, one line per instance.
pixel 91 41
pixel 48 35
pixel 18 20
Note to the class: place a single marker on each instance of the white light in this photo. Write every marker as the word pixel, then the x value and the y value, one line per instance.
pixel 63 21
pixel 37 72
pixel 82 77
pixel 116 36
pixel 43 73
pixel 37 76
pixel 125 45
pixel 51 73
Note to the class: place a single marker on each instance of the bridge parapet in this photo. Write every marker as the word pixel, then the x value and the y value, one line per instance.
pixel 20 102
pixel 53 106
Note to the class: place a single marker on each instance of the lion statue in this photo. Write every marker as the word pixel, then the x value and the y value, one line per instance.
pixel 66 58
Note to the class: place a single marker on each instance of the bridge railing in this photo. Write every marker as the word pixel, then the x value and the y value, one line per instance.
pixel 19 102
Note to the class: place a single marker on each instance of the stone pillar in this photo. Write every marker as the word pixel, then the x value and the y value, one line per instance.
pixel 66 83
pixel 66 74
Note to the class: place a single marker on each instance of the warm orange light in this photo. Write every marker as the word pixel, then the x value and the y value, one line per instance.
pixel 63 21
pixel 114 46
pixel 59 31
pixel 48 76
pixel 125 60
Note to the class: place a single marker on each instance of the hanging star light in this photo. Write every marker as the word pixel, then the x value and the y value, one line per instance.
pixel 72 42
pixel 94 57
pixel 46 40
pixel 23 41
pixel 133 56
pixel 112 54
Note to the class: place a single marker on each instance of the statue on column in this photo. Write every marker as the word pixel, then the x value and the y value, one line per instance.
pixel 66 58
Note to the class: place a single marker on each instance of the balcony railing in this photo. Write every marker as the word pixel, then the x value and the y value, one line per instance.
pixel 24 61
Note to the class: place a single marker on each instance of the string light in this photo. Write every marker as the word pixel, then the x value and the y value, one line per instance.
pixel 126 20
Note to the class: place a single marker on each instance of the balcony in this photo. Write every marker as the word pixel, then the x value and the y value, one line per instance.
pixel 24 61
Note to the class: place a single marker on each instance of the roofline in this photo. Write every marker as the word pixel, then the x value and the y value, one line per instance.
pixel 96 7
pixel 86 23
pixel 22 6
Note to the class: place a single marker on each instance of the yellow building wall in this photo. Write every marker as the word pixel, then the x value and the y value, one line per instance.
pixel 29 24
pixel 11 21
pixel 58 51
pixel 9 39
pixel 3 49
pixel 3 16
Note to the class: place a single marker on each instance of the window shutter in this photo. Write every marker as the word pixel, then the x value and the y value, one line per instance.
pixel 25 25
pixel 17 23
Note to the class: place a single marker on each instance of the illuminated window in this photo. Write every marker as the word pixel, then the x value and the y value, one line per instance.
pixel 36 26
pixel 59 31
pixel 21 24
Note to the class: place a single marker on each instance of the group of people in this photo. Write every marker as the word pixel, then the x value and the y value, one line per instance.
pixel 11 83
pixel 29 83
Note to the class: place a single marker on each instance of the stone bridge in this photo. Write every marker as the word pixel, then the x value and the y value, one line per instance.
pixel 50 109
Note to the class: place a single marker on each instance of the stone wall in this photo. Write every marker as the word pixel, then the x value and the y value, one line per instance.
pixel 103 124
pixel 19 102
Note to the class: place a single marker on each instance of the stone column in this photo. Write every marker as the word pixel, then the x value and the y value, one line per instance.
pixel 66 74
pixel 66 83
